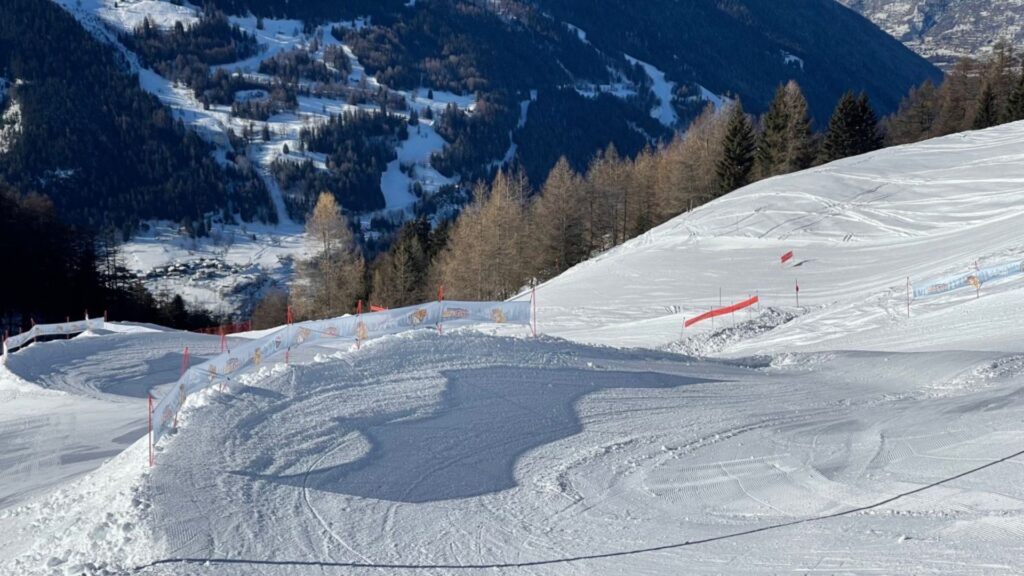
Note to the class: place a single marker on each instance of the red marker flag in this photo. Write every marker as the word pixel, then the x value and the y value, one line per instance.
pixel 377 308
pixel 787 256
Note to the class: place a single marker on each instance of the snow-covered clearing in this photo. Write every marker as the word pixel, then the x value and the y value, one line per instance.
pixel 663 89
pixel 837 436
pixel 221 272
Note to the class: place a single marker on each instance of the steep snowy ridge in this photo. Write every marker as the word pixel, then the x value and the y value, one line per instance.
pixel 837 436
pixel 859 228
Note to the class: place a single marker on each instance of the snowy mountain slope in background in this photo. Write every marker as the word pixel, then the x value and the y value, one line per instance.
pixel 944 31
pixel 859 228
pixel 860 441
pixel 512 68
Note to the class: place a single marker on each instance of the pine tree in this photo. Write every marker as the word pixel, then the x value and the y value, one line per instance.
pixel 915 117
pixel 483 258
pixel 606 199
pixel 956 99
pixel 693 161
pixel 560 240
pixel 328 284
pixel 800 137
pixel 399 278
pixel 852 130
pixel 770 158
pixel 999 74
pixel 646 209
pixel 737 160
pixel 1015 103
pixel 868 137
pixel 986 113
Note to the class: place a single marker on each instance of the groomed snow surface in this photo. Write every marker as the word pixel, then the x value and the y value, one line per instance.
pixel 837 437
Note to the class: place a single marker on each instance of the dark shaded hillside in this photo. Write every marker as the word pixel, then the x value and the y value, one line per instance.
pixel 105 151
pixel 728 46
pixel 738 46
pixel 505 50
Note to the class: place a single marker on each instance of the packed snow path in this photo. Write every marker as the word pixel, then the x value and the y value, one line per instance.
pixel 66 406
pixel 433 452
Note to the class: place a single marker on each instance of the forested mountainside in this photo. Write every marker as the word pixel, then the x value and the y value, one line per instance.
pixel 945 31
pixel 290 102
pixel 79 128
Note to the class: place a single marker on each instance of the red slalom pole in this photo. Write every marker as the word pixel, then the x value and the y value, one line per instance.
pixel 797 284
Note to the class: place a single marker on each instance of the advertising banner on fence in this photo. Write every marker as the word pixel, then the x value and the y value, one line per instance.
pixel 64 329
pixel 356 328
pixel 974 279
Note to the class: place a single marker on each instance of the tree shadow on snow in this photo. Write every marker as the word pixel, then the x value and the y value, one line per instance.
pixel 486 420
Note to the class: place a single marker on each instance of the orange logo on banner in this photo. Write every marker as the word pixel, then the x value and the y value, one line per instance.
pixel 417 317
pixel 497 316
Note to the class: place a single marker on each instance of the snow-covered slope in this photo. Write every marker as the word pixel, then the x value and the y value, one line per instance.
pixel 858 227
pixel 860 441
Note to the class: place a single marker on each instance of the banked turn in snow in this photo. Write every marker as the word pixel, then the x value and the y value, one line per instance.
pixel 843 437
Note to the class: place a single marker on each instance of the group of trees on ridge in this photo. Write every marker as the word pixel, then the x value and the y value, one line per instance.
pixel 976 94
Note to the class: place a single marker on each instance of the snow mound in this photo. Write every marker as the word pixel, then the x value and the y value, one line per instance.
pixel 708 343
pixel 94 526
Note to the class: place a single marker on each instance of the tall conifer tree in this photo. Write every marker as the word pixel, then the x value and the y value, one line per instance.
pixel 737 160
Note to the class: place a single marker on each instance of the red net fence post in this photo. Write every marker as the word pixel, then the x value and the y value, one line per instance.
pixel 440 299
pixel 359 312
pixel 533 299
pixel 288 349
pixel 151 455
